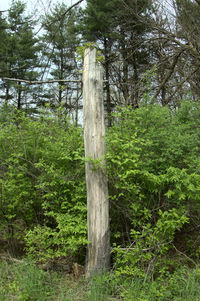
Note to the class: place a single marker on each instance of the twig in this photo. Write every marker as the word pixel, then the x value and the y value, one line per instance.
pixel 190 259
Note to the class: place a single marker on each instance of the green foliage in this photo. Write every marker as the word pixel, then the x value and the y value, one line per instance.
pixel 146 255
pixel 102 287
pixel 59 48
pixel 148 79
pixel 98 18
pixel 18 61
pixel 42 184
pixel 81 49
pixel 182 285
pixel 24 281
pixel 154 183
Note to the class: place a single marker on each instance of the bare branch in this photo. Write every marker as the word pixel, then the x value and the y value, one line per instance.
pixel 179 85
pixel 41 82
pixel 72 6
pixel 169 74
pixel 35 82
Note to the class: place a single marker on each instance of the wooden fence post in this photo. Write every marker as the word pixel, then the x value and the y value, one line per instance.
pixel 98 256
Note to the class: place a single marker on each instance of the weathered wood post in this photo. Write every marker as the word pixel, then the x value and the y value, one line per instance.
pixel 98 257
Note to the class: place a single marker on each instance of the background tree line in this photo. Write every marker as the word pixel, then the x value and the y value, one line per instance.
pixel 134 37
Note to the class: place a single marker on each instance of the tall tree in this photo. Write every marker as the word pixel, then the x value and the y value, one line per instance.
pixel 188 20
pixel 99 22
pixel 4 38
pixel 175 44
pixel 60 40
pixel 134 55
pixel 117 26
pixel 21 55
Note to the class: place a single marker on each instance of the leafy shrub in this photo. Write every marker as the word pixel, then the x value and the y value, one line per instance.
pixel 154 183
pixel 181 285
pixel 42 184
pixel 145 256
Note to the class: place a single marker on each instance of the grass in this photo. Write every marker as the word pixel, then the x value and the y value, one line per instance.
pixel 22 280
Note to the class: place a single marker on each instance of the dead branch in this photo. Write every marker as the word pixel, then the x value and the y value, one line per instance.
pixel 72 6
pixel 169 74
pixel 34 82
pixel 179 85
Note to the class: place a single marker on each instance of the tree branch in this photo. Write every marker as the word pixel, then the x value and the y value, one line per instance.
pixel 72 6
pixel 169 74
pixel 40 82
pixel 179 85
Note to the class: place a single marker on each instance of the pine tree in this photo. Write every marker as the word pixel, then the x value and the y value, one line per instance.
pixel 60 43
pixel 21 54
pixel 134 53
pixel 4 38
pixel 98 24
pixel 119 28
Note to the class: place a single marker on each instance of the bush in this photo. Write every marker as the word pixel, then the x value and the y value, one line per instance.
pixel 153 169
pixel 42 185
pixel 154 183
pixel 183 285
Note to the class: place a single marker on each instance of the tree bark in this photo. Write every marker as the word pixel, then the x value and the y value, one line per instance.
pixel 98 256
pixel 108 98
pixel 19 96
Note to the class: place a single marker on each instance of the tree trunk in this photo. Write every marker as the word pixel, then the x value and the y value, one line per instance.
pixel 61 73
pixel 96 179
pixel 7 94
pixel 19 96
pixel 108 98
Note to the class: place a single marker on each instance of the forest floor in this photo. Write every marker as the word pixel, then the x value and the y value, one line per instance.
pixel 24 281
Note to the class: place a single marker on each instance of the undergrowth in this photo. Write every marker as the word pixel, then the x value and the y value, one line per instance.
pixel 23 280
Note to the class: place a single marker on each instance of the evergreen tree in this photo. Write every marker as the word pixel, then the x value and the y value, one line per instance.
pixel 60 43
pixel 118 27
pixel 4 38
pixel 21 53
pixel 134 53
pixel 98 24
